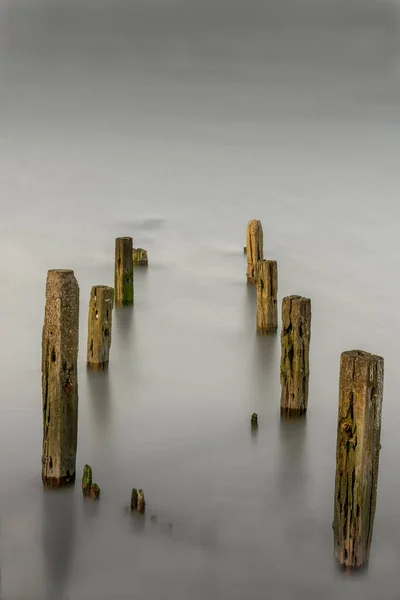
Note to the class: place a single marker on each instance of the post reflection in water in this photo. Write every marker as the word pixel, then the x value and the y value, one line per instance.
pixel 292 462
pixel 100 397
pixel 58 540
pixel 122 325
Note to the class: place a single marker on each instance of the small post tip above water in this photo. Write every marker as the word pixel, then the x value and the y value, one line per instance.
pixel 254 419
pixel 138 503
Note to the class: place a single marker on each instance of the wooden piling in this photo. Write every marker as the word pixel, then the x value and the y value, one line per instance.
pixel 267 291
pixel 86 480
pixel 134 499
pixel 357 456
pixel 254 248
pixel 295 341
pixel 141 504
pixel 123 271
pixel 139 257
pixel 94 491
pixel 99 326
pixel 59 378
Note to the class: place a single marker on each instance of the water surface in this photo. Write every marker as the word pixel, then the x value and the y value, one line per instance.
pixel 176 122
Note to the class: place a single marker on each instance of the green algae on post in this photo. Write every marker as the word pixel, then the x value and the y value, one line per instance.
pixel 295 342
pixel 86 480
pixel 123 276
pixel 254 248
pixel 99 326
pixel 60 378
pixel 357 456
pixel 267 291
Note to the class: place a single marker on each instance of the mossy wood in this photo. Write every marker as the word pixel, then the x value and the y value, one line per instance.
pixel 357 455
pixel 99 326
pixel 124 294
pixel 267 291
pixel 295 342
pixel 86 480
pixel 254 248
pixel 59 378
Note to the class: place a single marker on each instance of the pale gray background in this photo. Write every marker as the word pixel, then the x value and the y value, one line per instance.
pixel 177 121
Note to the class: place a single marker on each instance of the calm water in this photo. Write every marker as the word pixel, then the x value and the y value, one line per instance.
pixel 177 121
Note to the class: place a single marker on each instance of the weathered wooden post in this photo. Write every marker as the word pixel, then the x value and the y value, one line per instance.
pixel 99 326
pixel 267 291
pixel 88 487
pixel 254 248
pixel 295 341
pixel 86 480
pixel 123 271
pixel 134 499
pixel 139 257
pixel 138 503
pixel 59 378
pixel 141 504
pixel 357 455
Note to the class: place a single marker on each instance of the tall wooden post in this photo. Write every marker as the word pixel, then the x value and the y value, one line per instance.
pixel 254 248
pixel 59 378
pixel 295 341
pixel 99 326
pixel 123 271
pixel 267 291
pixel 357 455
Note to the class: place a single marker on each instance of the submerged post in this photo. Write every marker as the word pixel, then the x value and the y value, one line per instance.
pixel 99 326
pixel 267 291
pixel 254 248
pixel 59 378
pixel 357 455
pixel 295 341
pixel 123 271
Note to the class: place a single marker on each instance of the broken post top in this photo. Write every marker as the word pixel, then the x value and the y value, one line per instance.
pixel 125 238
pixel 102 287
pixel 360 354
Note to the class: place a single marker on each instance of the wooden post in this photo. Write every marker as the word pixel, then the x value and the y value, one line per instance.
pixel 254 248
pixel 59 378
pixel 94 492
pixel 86 480
pixel 267 291
pixel 134 499
pixel 357 455
pixel 295 340
pixel 123 271
pixel 139 257
pixel 141 504
pixel 99 326
pixel 137 501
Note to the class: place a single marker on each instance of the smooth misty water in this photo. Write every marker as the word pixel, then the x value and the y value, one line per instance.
pixel 176 122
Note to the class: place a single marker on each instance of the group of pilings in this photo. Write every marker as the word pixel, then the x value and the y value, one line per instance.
pixel 60 339
pixel 360 403
pixel 296 323
pixel 360 385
